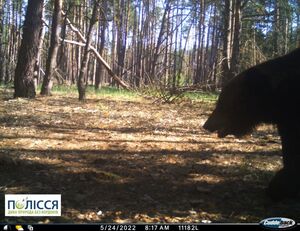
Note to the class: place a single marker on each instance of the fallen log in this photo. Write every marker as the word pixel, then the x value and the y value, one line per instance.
pixel 98 56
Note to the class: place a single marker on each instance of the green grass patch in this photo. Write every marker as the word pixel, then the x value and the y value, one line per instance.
pixel 113 92
pixel 202 96
pixel 6 86
pixel 64 89
pixel 90 91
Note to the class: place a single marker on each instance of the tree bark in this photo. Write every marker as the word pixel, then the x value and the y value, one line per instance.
pixel 121 36
pixel 24 82
pixel 160 38
pixel 84 64
pixel 1 50
pixel 231 39
pixel 37 66
pixel 102 30
pixel 236 39
pixel 227 42
pixel 54 43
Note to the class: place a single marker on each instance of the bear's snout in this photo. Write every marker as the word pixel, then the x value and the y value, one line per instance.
pixel 211 124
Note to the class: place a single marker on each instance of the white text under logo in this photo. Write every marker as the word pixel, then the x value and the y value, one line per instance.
pixel 17 205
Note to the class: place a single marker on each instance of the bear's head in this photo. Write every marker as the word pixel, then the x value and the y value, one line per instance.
pixel 239 106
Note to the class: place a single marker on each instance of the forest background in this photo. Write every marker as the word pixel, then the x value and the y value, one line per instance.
pixel 167 44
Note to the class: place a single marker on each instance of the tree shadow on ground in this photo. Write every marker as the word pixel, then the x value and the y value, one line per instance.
pixel 126 185
pixel 135 162
pixel 138 126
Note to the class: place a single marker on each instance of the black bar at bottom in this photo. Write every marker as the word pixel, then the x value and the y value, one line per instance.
pixel 133 227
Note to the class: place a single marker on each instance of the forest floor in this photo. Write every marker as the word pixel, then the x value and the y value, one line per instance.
pixel 128 159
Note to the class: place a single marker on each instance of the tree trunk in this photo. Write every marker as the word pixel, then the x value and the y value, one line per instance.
pixel 236 39
pixel 276 30
pixel 100 69
pixel 85 60
pixel 37 66
pixel 1 50
pixel 231 39
pixel 52 55
pixel 227 42
pixel 102 29
pixel 160 38
pixel 121 36
pixel 201 30
pixel 24 82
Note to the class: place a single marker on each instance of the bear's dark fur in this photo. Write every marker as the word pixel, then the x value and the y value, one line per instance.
pixel 266 93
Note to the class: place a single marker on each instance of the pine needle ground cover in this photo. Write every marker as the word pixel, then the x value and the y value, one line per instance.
pixel 127 159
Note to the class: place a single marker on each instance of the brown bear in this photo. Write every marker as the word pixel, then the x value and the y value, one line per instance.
pixel 266 93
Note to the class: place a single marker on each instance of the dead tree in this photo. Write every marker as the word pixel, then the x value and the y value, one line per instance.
pixel 96 53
